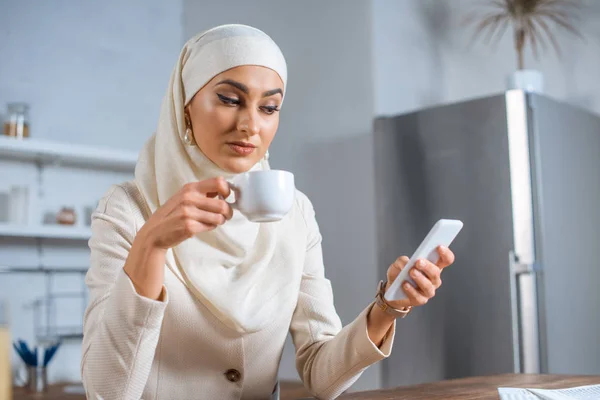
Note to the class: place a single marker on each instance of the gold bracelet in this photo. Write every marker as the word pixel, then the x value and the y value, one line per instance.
pixel 386 307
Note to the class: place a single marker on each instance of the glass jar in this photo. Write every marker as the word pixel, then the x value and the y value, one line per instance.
pixel 66 216
pixel 16 123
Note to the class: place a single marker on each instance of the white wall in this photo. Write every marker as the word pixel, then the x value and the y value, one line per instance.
pixel 94 73
pixel 424 55
pixel 407 71
pixel 328 105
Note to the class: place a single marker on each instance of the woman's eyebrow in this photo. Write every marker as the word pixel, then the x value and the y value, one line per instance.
pixel 244 88
pixel 272 92
pixel 235 84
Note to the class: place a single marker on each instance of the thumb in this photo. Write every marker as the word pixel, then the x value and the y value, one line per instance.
pixel 395 269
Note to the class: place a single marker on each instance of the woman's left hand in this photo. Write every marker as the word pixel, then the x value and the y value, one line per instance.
pixel 427 277
pixel 425 274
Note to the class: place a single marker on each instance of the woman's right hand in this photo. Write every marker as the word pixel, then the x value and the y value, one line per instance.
pixel 196 208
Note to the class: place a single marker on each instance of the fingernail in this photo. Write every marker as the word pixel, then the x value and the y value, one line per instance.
pixel 421 263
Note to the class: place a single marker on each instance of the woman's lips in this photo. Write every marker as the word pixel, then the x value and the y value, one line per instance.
pixel 242 148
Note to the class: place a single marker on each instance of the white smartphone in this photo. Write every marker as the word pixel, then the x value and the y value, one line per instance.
pixel 442 234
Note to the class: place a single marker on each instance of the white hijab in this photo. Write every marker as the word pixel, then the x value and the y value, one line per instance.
pixel 236 270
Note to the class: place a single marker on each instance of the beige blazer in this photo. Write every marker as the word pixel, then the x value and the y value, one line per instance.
pixel 135 347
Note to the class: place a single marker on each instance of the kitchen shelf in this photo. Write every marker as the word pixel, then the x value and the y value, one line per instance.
pixel 60 334
pixel 44 317
pixel 41 270
pixel 45 232
pixel 47 152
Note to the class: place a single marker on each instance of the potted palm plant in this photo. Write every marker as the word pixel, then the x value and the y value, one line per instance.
pixel 533 22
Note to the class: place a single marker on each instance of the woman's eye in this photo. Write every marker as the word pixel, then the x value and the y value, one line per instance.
pixel 228 100
pixel 270 109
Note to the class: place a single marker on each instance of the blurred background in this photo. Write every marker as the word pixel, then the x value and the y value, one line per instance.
pixel 379 92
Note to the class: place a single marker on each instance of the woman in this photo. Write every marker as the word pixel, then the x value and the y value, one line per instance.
pixel 189 300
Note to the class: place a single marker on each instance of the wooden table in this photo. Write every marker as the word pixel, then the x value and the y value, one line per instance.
pixel 289 391
pixel 55 392
pixel 479 388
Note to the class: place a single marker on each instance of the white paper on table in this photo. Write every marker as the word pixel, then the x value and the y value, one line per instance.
pixel 591 392
pixel 516 394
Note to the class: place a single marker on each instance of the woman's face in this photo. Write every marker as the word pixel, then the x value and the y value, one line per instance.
pixel 234 117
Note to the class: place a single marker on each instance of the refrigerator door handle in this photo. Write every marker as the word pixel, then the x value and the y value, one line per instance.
pixel 514 312
pixel 521 269
pixel 525 332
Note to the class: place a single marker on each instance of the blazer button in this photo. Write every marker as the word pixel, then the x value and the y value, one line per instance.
pixel 233 375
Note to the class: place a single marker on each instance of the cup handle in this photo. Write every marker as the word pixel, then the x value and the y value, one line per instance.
pixel 235 190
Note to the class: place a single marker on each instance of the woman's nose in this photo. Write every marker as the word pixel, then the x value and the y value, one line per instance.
pixel 248 123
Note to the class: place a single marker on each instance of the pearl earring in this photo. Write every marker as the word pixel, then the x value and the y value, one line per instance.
pixel 267 155
pixel 188 137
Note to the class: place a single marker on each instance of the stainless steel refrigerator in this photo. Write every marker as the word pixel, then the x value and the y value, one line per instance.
pixel 522 171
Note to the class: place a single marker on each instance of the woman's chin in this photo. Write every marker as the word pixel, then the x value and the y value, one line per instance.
pixel 237 165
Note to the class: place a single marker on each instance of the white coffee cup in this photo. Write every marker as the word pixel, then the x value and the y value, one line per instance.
pixel 264 196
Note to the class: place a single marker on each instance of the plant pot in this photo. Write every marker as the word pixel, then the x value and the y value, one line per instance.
pixel 528 80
